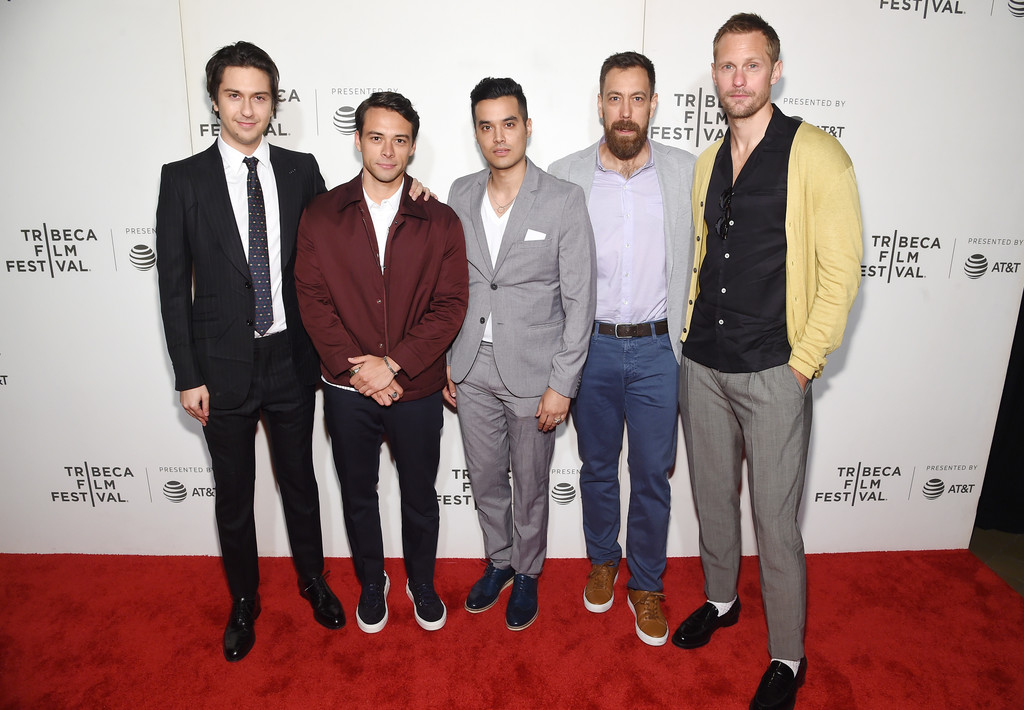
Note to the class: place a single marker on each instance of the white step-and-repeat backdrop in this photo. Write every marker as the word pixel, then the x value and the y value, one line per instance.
pixel 97 454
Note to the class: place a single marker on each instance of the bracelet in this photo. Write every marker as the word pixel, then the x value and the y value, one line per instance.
pixel 390 369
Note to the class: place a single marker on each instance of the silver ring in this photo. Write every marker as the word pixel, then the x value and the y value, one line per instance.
pixel 558 420
pixel 394 395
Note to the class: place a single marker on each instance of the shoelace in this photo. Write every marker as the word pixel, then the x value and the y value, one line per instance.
pixel 373 592
pixel 316 587
pixel 244 614
pixel 648 606
pixel 422 594
pixel 602 577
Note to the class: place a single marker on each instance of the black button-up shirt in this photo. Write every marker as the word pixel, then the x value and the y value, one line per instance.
pixel 739 319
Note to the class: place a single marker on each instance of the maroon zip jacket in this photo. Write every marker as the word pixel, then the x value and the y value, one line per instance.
pixel 411 312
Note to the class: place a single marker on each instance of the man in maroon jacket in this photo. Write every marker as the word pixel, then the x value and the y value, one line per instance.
pixel 383 286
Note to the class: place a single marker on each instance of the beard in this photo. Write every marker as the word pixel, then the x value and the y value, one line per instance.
pixel 625 148
pixel 755 104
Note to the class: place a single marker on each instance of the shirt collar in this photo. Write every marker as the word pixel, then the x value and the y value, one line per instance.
pixel 388 202
pixel 233 158
pixel 648 164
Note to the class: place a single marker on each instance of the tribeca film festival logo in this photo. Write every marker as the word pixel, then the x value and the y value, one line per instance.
pixel 49 251
pixel 274 128
pixel 931 8
pixel 898 256
pixel 925 8
pixel 460 478
pixel 704 121
pixel 177 492
pixel 861 484
pixel 344 118
pixel 94 485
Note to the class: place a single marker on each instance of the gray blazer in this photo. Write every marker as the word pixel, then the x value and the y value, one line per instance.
pixel 675 175
pixel 541 290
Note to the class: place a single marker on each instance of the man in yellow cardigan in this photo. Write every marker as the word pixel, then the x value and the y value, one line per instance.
pixel 776 269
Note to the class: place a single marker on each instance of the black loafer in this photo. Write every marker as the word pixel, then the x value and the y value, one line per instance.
pixel 698 627
pixel 240 634
pixel 326 606
pixel 488 588
pixel 778 687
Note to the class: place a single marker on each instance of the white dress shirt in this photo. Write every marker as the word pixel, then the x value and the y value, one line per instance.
pixel 237 176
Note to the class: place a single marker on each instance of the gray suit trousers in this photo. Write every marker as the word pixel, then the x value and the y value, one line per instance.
pixel 499 430
pixel 765 416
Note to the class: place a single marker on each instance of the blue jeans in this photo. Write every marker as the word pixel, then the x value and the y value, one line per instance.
pixel 632 381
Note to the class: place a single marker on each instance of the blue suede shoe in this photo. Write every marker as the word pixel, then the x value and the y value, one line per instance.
pixel 485 592
pixel 522 604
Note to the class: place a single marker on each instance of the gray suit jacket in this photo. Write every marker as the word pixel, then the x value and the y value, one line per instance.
pixel 540 292
pixel 675 175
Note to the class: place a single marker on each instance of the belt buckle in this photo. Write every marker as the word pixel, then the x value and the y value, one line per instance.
pixel 627 326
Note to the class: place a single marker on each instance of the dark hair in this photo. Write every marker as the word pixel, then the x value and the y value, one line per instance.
pixel 491 88
pixel 392 101
pixel 744 22
pixel 627 60
pixel 240 54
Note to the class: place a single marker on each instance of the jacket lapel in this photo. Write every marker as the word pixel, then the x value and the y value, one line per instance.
pixel 212 187
pixel 671 190
pixel 288 199
pixel 515 229
pixel 476 199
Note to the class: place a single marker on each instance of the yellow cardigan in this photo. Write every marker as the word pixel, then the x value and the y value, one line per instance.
pixel 824 244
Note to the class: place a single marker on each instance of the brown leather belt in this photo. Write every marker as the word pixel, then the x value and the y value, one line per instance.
pixel 632 330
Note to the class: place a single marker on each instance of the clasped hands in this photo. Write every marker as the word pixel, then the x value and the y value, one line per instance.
pixel 371 377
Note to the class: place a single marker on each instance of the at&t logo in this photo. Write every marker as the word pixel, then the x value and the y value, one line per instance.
pixel 176 492
pixel 935 487
pixel 142 257
pixel 345 121
pixel 977 265
pixel 563 493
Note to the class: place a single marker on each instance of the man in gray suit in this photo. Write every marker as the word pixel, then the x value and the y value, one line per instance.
pixel 638 198
pixel 518 358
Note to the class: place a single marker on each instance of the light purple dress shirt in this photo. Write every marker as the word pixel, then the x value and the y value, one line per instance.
pixel 629 230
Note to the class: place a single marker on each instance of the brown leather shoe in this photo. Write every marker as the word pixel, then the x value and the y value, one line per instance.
pixel 600 591
pixel 651 626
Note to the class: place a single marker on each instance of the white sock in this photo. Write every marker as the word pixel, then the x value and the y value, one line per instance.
pixel 723 607
pixel 793 665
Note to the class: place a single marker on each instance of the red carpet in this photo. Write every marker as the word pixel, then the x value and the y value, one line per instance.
pixel 886 630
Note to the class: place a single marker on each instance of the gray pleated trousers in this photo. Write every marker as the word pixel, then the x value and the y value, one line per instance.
pixel 766 417
pixel 499 433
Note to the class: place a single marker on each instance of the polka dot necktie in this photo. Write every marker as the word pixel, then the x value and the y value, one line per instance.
pixel 259 258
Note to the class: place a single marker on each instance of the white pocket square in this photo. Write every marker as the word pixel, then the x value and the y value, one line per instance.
pixel 534 236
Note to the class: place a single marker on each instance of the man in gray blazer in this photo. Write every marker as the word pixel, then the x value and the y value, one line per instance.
pixel 638 198
pixel 517 360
